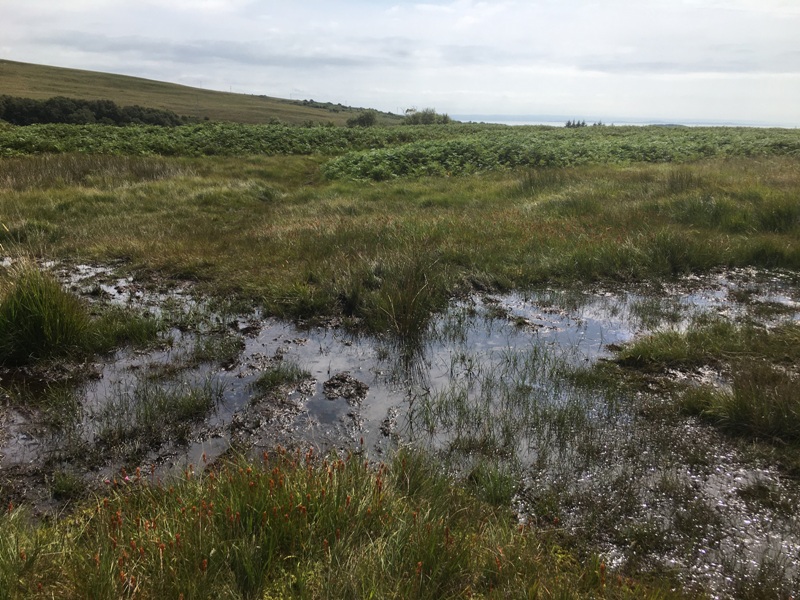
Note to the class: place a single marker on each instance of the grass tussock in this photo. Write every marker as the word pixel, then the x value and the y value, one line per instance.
pixel 763 402
pixel 40 320
pixel 296 526
pixel 280 374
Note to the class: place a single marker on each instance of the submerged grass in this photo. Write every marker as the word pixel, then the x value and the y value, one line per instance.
pixel 297 526
pixel 135 420
pixel 761 399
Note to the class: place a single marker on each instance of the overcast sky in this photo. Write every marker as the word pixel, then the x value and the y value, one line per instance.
pixel 669 60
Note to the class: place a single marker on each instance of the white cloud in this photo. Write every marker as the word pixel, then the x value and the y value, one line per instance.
pixel 663 58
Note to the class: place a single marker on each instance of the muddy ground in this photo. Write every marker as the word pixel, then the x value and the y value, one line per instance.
pixel 701 506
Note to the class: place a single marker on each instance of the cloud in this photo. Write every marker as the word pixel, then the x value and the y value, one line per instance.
pixel 460 55
pixel 204 51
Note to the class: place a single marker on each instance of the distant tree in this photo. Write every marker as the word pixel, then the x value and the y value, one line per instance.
pixel 367 118
pixel 426 116
pixel 59 109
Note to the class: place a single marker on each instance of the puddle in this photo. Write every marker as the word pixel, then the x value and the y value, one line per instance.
pixel 488 385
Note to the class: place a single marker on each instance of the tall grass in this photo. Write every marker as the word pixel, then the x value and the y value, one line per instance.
pixel 63 170
pixel 388 254
pixel 20 550
pixel 296 526
pixel 40 320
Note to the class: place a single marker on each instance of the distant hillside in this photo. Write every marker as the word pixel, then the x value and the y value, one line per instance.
pixel 41 82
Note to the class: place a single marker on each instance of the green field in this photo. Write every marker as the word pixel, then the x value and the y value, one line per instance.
pixel 42 82
pixel 378 230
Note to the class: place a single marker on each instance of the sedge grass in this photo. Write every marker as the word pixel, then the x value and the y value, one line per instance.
pixel 41 320
pixel 150 413
pixel 712 340
pixel 280 374
pixel 763 402
pixel 270 229
pixel 38 319
pixel 297 526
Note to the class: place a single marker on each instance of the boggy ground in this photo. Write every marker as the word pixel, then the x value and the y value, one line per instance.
pixel 506 390
pixel 625 464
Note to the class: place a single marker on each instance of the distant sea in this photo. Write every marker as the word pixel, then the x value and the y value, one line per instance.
pixel 560 121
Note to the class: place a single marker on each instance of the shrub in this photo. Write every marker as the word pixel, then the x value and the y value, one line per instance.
pixel 368 118
pixel 426 116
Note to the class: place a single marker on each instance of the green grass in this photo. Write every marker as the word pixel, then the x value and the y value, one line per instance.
pixel 713 341
pixel 278 375
pixel 764 402
pixel 270 229
pixel 40 320
pixel 134 420
pixel 41 82
pixel 297 526
pixel 64 170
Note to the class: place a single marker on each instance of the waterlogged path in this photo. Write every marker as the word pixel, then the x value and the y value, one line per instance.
pixel 501 389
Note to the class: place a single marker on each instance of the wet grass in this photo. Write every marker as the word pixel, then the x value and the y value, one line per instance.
pixel 135 420
pixel 758 399
pixel 586 453
pixel 40 320
pixel 586 456
pixel 297 526
pixel 712 341
pixel 387 254
pixel 764 402
pixel 281 373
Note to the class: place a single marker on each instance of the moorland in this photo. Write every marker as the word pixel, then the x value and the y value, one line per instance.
pixel 461 360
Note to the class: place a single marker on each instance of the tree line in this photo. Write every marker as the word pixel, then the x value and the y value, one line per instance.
pixel 60 109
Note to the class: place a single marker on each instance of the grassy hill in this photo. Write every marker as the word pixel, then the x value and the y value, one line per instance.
pixel 41 82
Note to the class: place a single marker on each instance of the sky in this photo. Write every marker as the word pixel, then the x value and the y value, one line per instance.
pixel 614 60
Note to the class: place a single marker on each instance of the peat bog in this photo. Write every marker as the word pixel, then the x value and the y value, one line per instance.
pixel 589 345
pixel 511 392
